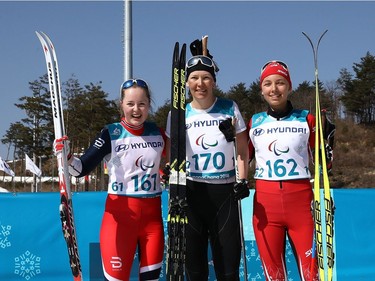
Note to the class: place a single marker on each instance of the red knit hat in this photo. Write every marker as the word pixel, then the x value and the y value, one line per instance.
pixel 275 67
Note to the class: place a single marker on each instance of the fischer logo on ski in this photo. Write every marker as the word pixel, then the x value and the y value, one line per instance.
pixel 66 205
pixel 177 219
pixel 321 176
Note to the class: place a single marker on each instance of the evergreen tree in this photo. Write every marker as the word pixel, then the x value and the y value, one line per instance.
pixel 359 92
pixel 303 97
pixel 88 112
pixel 38 121
pixel 161 115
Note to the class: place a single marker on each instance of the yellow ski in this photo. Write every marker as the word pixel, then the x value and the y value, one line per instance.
pixel 321 175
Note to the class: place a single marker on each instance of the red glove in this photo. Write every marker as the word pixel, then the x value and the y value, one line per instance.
pixel 59 144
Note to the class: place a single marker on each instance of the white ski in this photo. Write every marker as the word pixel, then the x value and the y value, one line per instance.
pixel 66 206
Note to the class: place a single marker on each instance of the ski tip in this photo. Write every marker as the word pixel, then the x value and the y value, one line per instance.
pixel 321 36
pixel 41 34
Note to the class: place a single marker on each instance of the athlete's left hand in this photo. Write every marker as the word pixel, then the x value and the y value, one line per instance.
pixel 59 144
pixel 228 129
pixel 329 157
pixel 165 174
pixel 241 189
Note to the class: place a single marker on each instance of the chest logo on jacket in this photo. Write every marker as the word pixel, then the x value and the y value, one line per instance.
pixel 139 163
pixel 258 132
pixel 277 150
pixel 201 141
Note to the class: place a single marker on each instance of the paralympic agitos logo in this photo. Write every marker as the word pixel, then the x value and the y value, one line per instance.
pixel 139 163
pixel 201 141
pixel 277 149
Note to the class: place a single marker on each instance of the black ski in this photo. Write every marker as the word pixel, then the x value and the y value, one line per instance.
pixel 177 219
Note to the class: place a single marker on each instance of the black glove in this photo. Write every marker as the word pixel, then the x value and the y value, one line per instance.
pixel 241 189
pixel 227 128
pixel 196 48
pixel 165 174
pixel 329 157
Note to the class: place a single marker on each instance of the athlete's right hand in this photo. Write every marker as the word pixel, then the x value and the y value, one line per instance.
pixel 59 144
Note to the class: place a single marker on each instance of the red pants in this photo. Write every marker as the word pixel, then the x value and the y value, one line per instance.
pixel 284 208
pixel 127 223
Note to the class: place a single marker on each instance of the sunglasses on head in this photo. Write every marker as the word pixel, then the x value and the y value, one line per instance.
pixel 274 62
pixel 131 82
pixel 203 60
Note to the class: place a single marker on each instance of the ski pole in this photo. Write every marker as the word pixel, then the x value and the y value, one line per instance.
pixel 228 138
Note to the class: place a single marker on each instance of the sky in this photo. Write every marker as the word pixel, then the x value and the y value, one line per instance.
pixel 242 36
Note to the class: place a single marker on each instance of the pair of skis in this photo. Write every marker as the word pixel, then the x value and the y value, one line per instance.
pixel 321 176
pixel 66 206
pixel 177 219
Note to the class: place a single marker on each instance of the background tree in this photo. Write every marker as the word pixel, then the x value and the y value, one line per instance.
pixel 18 135
pixel 248 100
pixel 256 101
pixel 161 115
pixel 71 89
pixel 303 96
pixel 88 111
pixel 359 92
pixel 334 96
pixel 38 122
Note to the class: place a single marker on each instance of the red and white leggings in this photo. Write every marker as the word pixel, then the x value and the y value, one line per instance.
pixel 284 208
pixel 127 223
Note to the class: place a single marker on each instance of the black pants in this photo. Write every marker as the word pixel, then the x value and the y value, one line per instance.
pixel 212 217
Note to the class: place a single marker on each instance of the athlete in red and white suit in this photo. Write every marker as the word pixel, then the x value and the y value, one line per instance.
pixel 132 218
pixel 281 140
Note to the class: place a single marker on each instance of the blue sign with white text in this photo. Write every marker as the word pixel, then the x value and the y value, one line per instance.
pixel 32 247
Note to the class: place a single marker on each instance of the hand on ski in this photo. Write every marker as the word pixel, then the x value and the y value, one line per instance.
pixel 227 128
pixel 241 189
pixel 329 157
pixel 59 144
pixel 196 48
pixel 165 174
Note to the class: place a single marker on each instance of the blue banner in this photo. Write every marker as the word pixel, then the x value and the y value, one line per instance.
pixel 32 245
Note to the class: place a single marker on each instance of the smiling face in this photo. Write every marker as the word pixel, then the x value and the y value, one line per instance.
pixel 201 85
pixel 275 90
pixel 135 105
